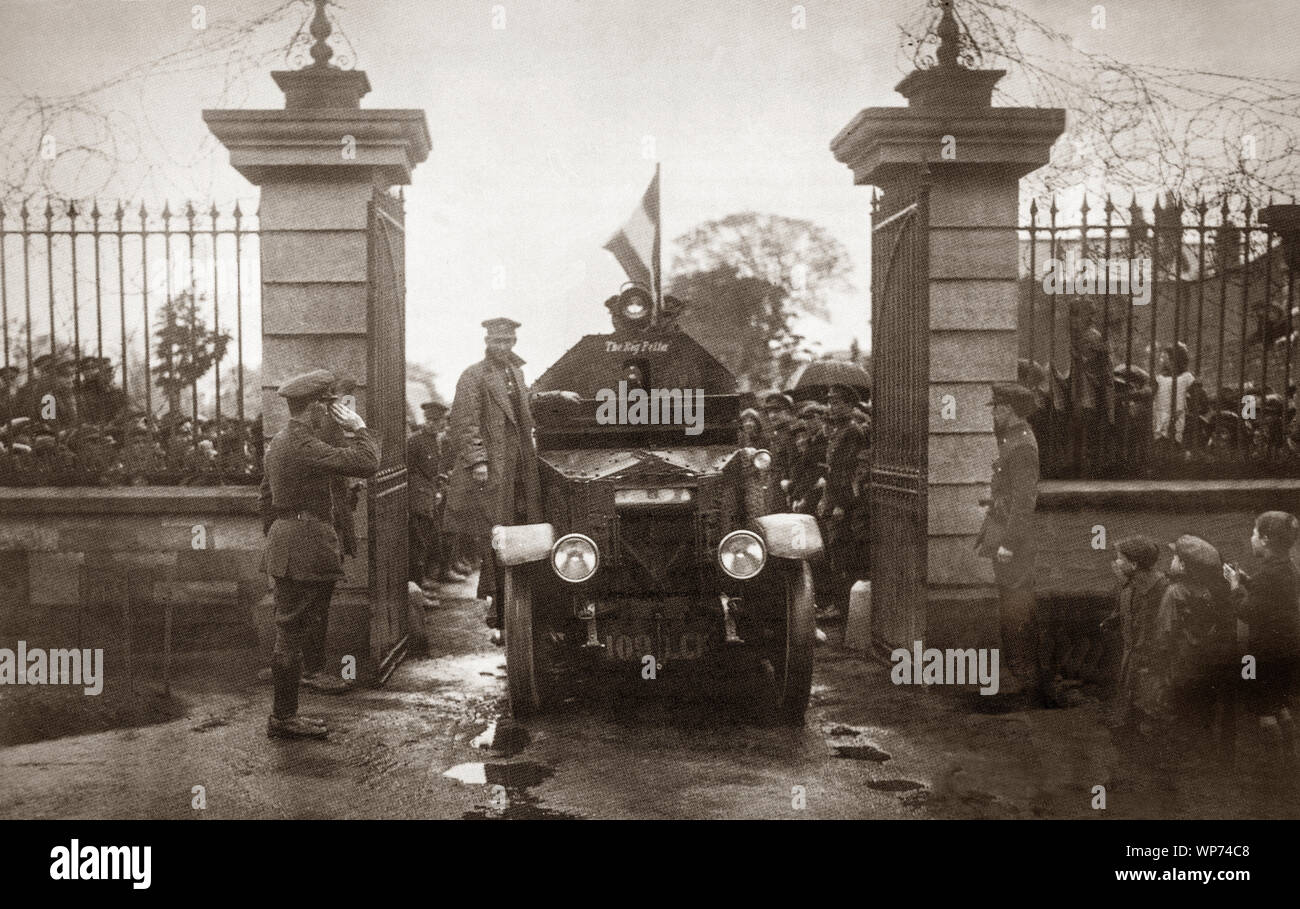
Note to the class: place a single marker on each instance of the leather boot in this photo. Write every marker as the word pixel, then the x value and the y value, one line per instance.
pixel 285 674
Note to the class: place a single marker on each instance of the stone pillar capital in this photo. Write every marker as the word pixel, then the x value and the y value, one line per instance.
pixel 882 144
pixel 340 144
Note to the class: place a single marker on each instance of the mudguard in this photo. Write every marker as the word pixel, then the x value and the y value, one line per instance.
pixel 790 536
pixel 522 543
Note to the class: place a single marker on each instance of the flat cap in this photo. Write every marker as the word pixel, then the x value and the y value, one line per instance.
pixel 44 360
pixel 434 407
pixel 1017 397
pixel 1196 554
pixel 812 409
pixel 1140 550
pixel 500 327
pixel 314 384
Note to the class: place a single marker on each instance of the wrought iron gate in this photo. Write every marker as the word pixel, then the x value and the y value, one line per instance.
pixel 387 533
pixel 900 341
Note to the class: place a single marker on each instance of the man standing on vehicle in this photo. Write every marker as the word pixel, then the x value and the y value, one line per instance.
pixel 304 555
pixel 494 480
pixel 1007 536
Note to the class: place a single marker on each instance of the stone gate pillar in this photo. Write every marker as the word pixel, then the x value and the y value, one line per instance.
pixel 976 155
pixel 318 162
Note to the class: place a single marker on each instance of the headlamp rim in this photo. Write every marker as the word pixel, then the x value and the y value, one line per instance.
pixel 762 545
pixel 566 538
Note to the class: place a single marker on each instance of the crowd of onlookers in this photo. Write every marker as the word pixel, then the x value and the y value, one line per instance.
pixel 1204 638
pixel 1106 421
pixel 70 425
pixel 821 460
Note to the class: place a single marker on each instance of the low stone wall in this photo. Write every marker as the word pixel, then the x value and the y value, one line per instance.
pixel 72 560
pixel 1220 511
pixel 1074 581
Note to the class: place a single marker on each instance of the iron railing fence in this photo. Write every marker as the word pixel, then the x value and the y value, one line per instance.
pixel 124 331
pixel 1161 344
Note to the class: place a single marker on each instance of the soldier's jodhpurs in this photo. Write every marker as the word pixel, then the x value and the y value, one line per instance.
pixel 1018 618
pixel 301 614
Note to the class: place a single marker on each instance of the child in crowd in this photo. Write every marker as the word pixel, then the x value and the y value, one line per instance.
pixel 1195 650
pixel 1266 601
pixel 1142 588
pixel 1169 406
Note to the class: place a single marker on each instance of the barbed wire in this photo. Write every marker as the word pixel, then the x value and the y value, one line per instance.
pixel 1153 128
pixel 110 137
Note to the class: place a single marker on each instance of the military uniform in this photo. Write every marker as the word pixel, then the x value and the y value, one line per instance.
pixel 304 554
pixel 844 440
pixel 1008 527
pixel 424 461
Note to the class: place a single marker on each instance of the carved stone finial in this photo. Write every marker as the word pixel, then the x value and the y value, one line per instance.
pixel 321 30
pixel 949 37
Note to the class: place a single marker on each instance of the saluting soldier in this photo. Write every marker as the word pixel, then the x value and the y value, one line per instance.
pixel 495 478
pixel 304 555
pixel 1007 536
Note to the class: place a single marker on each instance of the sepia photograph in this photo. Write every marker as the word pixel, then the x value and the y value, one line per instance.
pixel 853 410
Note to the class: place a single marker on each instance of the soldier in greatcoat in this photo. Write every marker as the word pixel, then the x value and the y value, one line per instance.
pixel 304 555
pixel 1007 537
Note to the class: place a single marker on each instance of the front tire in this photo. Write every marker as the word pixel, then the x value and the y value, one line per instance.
pixel 791 658
pixel 526 676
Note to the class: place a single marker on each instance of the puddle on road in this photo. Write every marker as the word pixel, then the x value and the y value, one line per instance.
pixel 853 742
pixel 506 737
pixel 509 798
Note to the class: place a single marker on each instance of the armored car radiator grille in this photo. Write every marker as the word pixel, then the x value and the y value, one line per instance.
pixel 656 553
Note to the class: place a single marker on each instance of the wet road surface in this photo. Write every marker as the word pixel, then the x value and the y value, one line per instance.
pixel 437 742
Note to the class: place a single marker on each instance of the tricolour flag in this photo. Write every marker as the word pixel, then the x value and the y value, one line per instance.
pixel 636 244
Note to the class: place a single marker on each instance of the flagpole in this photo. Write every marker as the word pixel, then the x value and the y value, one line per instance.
pixel 658 255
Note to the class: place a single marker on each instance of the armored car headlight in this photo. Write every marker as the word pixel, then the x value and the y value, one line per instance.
pixel 575 558
pixel 742 554
pixel 762 459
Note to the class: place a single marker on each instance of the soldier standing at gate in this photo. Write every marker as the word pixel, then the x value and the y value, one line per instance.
pixel 427 482
pixel 1007 536
pixel 303 553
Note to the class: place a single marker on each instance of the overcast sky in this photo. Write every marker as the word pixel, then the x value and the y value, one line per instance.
pixel 538 128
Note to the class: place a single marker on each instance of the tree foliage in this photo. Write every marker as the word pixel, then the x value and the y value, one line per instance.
pixel 745 277
pixel 186 349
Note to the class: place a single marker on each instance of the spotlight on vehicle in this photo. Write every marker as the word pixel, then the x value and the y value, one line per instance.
pixel 636 304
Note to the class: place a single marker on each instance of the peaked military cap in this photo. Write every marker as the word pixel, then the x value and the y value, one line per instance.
pixel 43 361
pixel 500 327
pixel 812 408
pixel 315 384
pixel 1017 397
pixel 434 407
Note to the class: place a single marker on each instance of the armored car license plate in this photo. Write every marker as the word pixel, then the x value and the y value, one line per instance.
pixel 671 645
